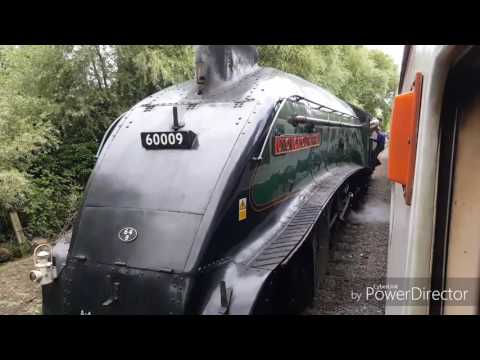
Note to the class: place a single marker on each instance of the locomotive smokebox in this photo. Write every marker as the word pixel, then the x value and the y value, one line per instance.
pixel 215 64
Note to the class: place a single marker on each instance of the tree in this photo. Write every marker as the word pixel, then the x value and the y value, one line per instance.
pixel 296 59
pixel 389 73
pixel 56 102
pixel 366 78
pixel 24 131
pixel 24 126
pixel 145 69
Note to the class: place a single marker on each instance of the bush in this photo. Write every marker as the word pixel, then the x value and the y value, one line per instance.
pixel 52 201
pixel 58 179
pixel 17 250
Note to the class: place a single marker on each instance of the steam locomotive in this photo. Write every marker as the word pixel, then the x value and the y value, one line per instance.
pixel 214 196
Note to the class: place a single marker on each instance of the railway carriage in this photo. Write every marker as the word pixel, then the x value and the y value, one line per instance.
pixel 433 165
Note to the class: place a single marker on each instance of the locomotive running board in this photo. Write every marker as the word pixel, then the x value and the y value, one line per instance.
pixel 281 249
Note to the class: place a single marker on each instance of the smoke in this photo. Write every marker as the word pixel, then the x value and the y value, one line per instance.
pixel 373 211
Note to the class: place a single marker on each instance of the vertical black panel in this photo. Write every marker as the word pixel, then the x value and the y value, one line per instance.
pixel 448 137
pixel 463 85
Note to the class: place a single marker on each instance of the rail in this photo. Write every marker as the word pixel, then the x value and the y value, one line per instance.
pixel 278 106
pixel 310 120
pixel 297 98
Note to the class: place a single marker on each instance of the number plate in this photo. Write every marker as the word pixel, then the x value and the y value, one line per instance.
pixel 168 140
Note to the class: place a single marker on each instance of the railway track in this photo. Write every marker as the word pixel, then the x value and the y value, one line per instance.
pixel 358 256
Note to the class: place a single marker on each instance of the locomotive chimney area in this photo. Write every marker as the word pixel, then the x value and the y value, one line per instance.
pixel 218 64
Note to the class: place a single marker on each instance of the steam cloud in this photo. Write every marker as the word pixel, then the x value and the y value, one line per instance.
pixel 374 211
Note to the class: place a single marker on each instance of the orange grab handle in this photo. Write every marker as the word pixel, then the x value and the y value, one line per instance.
pixel 403 138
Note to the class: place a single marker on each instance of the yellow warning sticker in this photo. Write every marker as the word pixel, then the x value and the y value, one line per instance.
pixel 242 209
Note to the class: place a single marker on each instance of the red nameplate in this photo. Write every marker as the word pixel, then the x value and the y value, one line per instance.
pixel 290 143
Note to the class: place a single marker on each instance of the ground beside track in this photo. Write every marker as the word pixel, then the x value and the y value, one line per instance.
pixel 358 258
pixel 18 295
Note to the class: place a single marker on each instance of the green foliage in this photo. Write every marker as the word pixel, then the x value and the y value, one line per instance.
pixel 58 179
pixel 366 78
pixel 24 126
pixel 165 65
pixel 14 187
pixel 56 102
pixel 145 69
pixel 52 201
pixel 19 250
pixel 296 59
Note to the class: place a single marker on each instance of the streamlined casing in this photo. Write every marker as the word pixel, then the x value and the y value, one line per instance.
pixel 185 203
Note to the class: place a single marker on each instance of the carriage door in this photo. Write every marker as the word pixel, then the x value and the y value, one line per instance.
pixel 458 264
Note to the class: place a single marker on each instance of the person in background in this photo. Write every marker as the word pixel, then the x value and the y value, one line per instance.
pixel 378 140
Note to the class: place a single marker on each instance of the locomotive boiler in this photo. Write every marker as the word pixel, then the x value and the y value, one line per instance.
pixel 214 196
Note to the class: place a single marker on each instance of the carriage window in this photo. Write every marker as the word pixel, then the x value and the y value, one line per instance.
pixel 284 127
pixel 319 114
pixel 288 136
